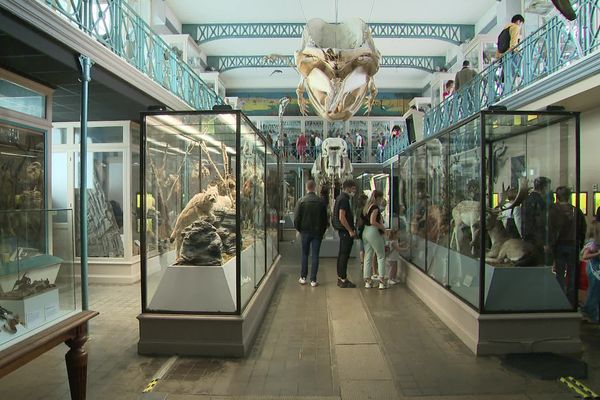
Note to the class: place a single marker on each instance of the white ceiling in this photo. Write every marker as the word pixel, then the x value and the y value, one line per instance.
pixel 424 11
pixel 270 11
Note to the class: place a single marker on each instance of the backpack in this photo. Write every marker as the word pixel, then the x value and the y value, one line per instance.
pixel 504 40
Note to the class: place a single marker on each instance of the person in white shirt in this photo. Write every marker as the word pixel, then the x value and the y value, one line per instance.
pixel 392 256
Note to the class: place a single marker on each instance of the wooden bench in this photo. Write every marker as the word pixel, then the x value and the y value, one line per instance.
pixel 73 332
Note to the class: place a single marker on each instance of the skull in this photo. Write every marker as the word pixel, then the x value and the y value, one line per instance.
pixel 337 63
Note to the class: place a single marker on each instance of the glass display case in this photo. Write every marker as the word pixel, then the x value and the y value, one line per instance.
pixel 481 217
pixel 209 211
pixel 37 282
pixel 481 51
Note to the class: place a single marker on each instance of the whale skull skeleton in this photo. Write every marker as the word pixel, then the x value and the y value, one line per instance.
pixel 337 64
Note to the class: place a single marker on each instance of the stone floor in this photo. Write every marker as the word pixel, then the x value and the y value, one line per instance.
pixel 315 343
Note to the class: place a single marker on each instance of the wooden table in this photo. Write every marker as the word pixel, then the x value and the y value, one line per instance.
pixel 73 332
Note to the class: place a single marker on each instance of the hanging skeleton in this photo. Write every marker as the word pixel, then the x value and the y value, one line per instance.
pixel 332 165
pixel 337 64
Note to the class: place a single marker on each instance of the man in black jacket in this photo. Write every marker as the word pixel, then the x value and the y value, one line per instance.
pixel 310 219
pixel 343 220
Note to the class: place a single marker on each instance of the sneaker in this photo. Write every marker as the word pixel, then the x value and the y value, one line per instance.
pixel 392 282
pixel 382 285
pixel 368 284
pixel 350 284
pixel 302 281
pixel 313 283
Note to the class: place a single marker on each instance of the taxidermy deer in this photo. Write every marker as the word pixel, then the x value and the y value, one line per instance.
pixel 466 213
pixel 504 248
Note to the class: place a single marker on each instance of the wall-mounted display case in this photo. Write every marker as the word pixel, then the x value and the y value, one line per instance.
pixel 480 214
pixel 209 211
pixel 113 193
pixel 481 51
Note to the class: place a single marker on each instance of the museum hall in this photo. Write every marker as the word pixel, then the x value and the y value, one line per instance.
pixel 299 200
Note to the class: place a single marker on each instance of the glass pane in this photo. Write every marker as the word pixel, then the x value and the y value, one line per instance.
pixel 438 215
pixel 23 187
pixel 258 210
pixel 18 98
pixel 59 135
pixel 273 198
pixel 190 214
pixel 250 204
pixel 533 225
pixel 102 134
pixel 135 189
pixel 464 198
pixel 38 285
pixel 417 206
pixel 105 203
pixel 61 195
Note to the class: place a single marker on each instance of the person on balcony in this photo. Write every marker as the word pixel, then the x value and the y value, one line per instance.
pixel 448 89
pixel 301 146
pixel 360 144
pixel 318 143
pixel 510 36
pixel 464 76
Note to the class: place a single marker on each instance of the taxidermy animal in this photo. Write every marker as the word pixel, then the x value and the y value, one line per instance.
pixel 466 213
pixel 504 248
pixel 199 206
pixel 337 63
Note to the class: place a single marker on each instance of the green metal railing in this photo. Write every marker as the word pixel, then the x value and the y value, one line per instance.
pixel 114 24
pixel 554 46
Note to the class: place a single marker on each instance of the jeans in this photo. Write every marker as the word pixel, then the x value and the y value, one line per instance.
pixel 593 296
pixel 310 240
pixel 374 245
pixel 346 242
pixel 566 259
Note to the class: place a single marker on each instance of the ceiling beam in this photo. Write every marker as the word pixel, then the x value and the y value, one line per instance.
pixel 452 33
pixel 225 63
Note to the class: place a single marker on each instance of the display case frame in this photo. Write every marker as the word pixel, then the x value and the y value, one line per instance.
pixel 486 190
pixel 240 118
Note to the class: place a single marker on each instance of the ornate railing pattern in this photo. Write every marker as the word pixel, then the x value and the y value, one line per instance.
pixel 114 24
pixel 224 63
pixel 555 45
pixel 452 33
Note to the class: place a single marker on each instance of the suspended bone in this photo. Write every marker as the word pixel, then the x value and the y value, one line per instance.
pixel 337 64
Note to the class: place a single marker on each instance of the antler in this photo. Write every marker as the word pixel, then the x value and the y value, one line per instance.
pixel 521 194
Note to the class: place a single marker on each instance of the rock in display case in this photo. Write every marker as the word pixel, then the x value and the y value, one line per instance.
pixel 210 204
pixel 481 218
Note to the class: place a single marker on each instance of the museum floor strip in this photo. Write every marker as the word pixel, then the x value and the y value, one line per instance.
pixel 315 343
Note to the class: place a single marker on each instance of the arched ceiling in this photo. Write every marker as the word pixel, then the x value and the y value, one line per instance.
pixel 193 12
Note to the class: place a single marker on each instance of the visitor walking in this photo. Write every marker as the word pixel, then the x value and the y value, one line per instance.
pixel 343 220
pixel 591 255
pixel 310 219
pixel 374 241
pixel 464 76
pixel 567 241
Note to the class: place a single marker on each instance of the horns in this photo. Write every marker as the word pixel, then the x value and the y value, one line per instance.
pixel 521 194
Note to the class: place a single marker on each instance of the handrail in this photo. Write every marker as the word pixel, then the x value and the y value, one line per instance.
pixel 552 47
pixel 116 25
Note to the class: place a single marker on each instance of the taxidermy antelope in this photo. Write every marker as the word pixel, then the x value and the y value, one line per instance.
pixel 505 249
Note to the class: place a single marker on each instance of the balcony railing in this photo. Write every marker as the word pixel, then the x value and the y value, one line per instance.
pixel 290 154
pixel 114 24
pixel 555 45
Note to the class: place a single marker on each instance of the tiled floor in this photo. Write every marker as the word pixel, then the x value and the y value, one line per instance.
pixel 315 343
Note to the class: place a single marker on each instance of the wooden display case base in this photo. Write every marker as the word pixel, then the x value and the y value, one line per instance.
pixel 73 332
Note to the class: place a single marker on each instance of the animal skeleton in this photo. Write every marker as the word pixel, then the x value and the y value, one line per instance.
pixel 337 64
pixel 332 164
